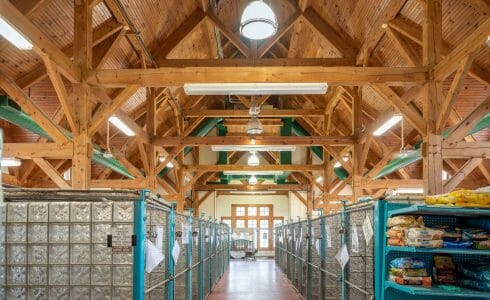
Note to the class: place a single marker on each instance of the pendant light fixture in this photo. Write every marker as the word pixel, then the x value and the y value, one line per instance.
pixel 258 21
pixel 253 159
pixel 254 126
pixel 252 180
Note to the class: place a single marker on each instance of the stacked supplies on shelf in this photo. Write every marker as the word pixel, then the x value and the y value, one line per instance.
pixel 475 276
pixel 424 237
pixel 478 237
pixel 409 271
pixel 444 270
pixel 462 198
pixel 452 238
pixel 411 231
pixel 396 227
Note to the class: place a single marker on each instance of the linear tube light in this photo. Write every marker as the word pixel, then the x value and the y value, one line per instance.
pixel 255 148
pixel 308 88
pixel 399 191
pixel 252 192
pixel 257 173
pixel 387 125
pixel 169 164
pixel 10 162
pixel 121 126
pixel 12 35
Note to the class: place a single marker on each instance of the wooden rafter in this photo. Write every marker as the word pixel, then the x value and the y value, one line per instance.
pixel 413 117
pixel 450 100
pixel 193 21
pixel 102 32
pixel 469 45
pixel 465 126
pixel 461 174
pixel 51 172
pixel 377 30
pixel 42 45
pixel 414 33
pixel 29 107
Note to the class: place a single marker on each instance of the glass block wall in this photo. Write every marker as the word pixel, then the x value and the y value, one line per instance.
pixel 59 250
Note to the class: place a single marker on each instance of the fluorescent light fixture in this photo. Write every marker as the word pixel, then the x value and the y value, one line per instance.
pixel 252 180
pixel 14 36
pixel 67 174
pixel 337 165
pixel 121 126
pixel 409 191
pixel 169 164
pixel 250 148
pixel 387 125
pixel 340 202
pixel 252 192
pixel 253 159
pixel 253 173
pixel 255 88
pixel 258 21
pixel 10 162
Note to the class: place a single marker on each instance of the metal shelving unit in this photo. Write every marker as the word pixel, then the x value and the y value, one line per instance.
pixel 385 289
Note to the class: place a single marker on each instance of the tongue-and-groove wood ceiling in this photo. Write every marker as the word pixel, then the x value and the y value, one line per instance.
pixel 384 33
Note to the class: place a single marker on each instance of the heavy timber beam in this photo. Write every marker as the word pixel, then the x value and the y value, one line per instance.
pixel 29 107
pixel 432 147
pixel 173 76
pixel 266 113
pixel 466 150
pixel 391 183
pixel 472 43
pixel 36 150
pixel 461 174
pixel 51 172
pixel 223 168
pixel 464 127
pixel 377 31
pixel 258 187
pixel 82 144
pixel 192 22
pixel 412 116
pixel 259 62
pixel 414 33
pixel 101 33
pixel 259 140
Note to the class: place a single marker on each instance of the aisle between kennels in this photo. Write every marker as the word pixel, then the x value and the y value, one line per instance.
pixel 260 279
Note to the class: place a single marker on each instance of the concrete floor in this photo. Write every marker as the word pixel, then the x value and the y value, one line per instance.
pixel 257 280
